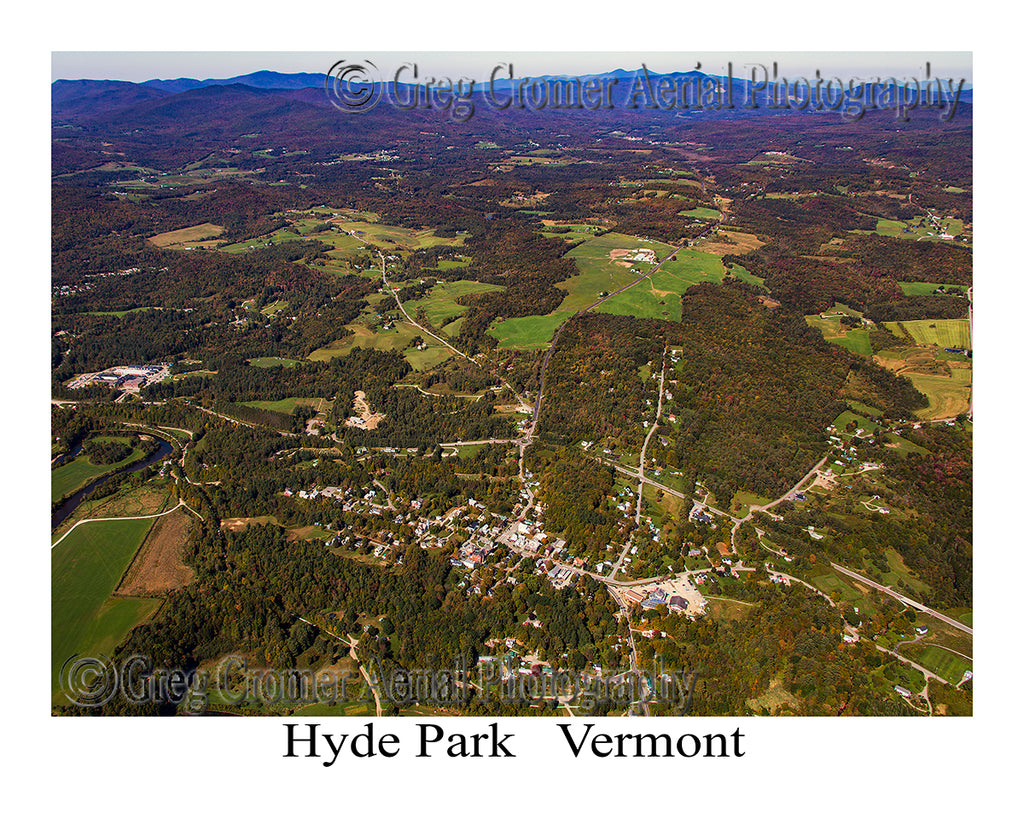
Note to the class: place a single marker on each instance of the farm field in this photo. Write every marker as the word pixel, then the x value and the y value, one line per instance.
pixel 288 405
pixel 705 214
pixel 85 569
pixel 940 332
pixel 277 237
pixel 187 236
pixel 658 296
pixel 576 232
pixel 604 267
pixel 947 396
pixel 527 332
pixel 918 229
pixel 398 338
pixel 69 478
pixel 728 242
pixel 396 237
pixel 440 304
pixel 855 340
pixel 927 288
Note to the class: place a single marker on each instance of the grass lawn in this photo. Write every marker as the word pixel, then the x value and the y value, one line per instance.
pixel 742 501
pixel 527 332
pixel 275 307
pixel 946 664
pixel 67 479
pixel 85 570
pixel 900 571
pixel 600 272
pixel 847 416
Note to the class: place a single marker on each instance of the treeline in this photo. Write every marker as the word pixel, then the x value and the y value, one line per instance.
pixel 918 307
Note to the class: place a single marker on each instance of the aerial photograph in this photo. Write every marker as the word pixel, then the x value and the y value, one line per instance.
pixel 472 384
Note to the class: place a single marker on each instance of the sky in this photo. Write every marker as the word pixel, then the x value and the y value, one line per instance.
pixel 139 66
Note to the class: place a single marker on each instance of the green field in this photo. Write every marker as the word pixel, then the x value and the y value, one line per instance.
pixel 600 273
pixel 399 337
pixel 576 233
pixel 272 361
pixel 120 313
pixel 744 275
pixel 705 214
pixel 527 332
pixel 67 479
pixel 288 405
pixel 439 305
pixel 926 288
pixel 397 237
pixel 454 264
pixel 940 332
pixel 277 237
pixel 658 296
pixel 946 664
pixel 85 569
pixel 856 340
pixel 918 228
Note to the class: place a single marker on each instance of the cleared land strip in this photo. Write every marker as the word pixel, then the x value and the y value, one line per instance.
pixel 905 600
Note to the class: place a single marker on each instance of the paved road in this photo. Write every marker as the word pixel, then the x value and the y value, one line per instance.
pixel 904 599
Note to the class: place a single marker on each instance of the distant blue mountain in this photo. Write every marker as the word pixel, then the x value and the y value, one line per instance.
pixel 257 79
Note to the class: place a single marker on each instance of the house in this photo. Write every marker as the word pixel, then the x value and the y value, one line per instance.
pixel 899 689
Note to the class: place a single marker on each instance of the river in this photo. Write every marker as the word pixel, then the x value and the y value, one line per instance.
pixel 62 512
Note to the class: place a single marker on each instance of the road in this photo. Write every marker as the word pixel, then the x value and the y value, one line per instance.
pixel 599 302
pixel 435 336
pixel 904 599
pixel 788 495
pixel 352 653
pixel 134 517
pixel 640 482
